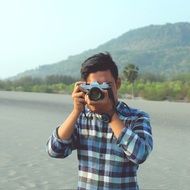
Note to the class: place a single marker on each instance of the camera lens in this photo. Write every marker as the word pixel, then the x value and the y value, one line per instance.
pixel 95 94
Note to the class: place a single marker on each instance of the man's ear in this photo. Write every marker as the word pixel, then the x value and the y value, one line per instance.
pixel 118 83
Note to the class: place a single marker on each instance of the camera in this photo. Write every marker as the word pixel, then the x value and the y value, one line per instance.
pixel 94 90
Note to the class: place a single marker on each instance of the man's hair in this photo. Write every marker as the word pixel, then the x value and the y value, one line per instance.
pixel 99 62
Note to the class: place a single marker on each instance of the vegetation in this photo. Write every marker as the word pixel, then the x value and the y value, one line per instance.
pixel 167 90
pixel 147 86
pixel 131 73
pixel 50 84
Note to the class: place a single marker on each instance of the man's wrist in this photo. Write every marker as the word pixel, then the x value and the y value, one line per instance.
pixel 76 112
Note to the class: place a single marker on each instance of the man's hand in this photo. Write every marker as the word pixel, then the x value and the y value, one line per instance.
pixel 104 105
pixel 66 129
pixel 78 98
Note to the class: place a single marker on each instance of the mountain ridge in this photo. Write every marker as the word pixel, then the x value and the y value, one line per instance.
pixel 154 48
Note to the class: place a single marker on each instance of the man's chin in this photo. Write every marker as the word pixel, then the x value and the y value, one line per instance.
pixel 95 109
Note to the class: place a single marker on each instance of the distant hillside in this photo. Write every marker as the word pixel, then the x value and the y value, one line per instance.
pixel 161 49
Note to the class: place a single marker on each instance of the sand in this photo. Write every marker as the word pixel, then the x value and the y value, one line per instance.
pixel 28 119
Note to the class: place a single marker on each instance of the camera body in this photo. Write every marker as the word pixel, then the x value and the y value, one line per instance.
pixel 94 90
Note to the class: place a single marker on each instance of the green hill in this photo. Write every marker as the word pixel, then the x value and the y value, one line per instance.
pixel 163 49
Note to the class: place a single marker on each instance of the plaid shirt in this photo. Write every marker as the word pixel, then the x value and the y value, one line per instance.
pixel 107 163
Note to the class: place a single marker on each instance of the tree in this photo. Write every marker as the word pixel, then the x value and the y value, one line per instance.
pixel 131 73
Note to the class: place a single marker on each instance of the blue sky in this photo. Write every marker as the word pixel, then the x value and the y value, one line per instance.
pixel 38 32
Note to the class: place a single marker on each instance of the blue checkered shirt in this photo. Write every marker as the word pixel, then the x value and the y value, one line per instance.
pixel 107 163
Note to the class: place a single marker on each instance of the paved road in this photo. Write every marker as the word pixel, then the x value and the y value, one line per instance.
pixel 27 120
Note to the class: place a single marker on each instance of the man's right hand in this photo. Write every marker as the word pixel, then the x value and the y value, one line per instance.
pixel 78 98
pixel 66 129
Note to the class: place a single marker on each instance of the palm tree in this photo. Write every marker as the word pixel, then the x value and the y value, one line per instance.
pixel 131 73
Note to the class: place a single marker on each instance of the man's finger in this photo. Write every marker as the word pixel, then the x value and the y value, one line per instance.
pixel 79 95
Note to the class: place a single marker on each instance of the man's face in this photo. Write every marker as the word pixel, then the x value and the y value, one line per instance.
pixel 105 76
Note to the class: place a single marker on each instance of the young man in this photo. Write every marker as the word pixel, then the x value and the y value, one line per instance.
pixel 111 138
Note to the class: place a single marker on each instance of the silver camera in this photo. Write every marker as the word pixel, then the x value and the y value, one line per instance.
pixel 94 90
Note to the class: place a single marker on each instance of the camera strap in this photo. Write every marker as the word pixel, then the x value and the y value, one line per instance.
pixel 111 96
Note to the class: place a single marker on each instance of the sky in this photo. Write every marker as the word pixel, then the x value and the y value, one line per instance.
pixel 40 32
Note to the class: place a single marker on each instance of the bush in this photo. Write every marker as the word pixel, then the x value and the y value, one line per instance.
pixel 151 90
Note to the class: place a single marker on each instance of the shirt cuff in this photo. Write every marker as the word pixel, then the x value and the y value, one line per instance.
pixel 125 136
pixel 55 135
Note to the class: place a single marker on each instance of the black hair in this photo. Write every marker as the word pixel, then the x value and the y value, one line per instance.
pixel 99 62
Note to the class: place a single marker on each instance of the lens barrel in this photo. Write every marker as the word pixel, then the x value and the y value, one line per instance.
pixel 95 94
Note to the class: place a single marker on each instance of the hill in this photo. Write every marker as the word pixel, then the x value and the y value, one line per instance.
pixel 163 49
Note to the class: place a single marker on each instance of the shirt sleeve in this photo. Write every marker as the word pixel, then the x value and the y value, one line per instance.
pixel 136 139
pixel 58 148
